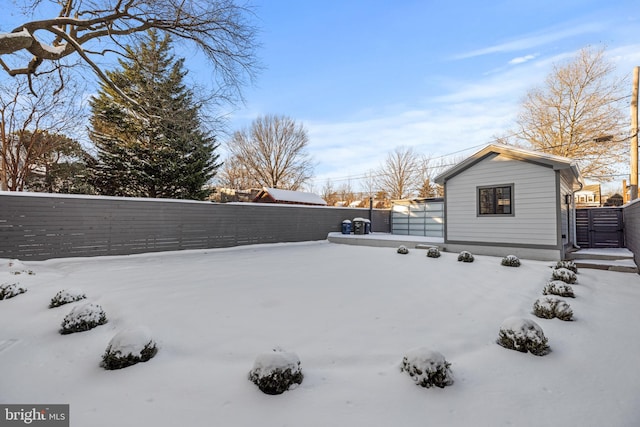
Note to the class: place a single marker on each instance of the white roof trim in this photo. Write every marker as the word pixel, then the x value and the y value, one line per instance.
pixel 556 162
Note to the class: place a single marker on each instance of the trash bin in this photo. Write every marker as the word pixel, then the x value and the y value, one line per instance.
pixel 358 225
pixel 367 226
pixel 346 226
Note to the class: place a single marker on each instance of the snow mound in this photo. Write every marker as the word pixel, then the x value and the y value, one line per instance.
pixel 66 296
pixel 17 267
pixel 427 368
pixel 129 347
pixel 10 290
pixel 523 335
pixel 403 250
pixel 275 372
pixel 83 318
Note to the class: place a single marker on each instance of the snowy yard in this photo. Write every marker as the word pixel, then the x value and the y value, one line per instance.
pixel 350 313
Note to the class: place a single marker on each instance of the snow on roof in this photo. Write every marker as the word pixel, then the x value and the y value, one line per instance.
pixel 294 196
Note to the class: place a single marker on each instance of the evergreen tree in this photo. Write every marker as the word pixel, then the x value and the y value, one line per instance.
pixel 156 147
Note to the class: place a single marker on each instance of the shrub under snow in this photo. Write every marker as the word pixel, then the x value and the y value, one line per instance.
pixel 523 335
pixel 129 347
pixel 17 267
pixel 566 275
pixel 403 250
pixel 427 368
pixel 465 256
pixel 82 318
pixel 558 287
pixel 433 252
pixel 511 261
pixel 276 371
pixel 569 265
pixel 10 290
pixel 66 296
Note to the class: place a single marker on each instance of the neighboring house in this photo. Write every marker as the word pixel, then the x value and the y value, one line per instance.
pixel 275 195
pixel 505 200
pixel 589 196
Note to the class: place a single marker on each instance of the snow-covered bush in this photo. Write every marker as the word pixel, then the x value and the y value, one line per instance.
pixel 82 318
pixel 129 347
pixel 403 250
pixel 276 371
pixel 433 252
pixel 17 267
pixel 563 311
pixel 427 368
pixel 66 296
pixel 545 307
pixel 558 287
pixel 465 256
pixel 511 261
pixel 569 265
pixel 566 275
pixel 550 307
pixel 523 335
pixel 10 290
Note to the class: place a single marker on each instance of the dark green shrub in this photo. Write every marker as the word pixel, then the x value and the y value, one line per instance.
pixel 544 308
pixel 127 348
pixel 427 368
pixel 433 252
pixel 567 276
pixel 276 372
pixel 558 287
pixel 511 261
pixel 523 335
pixel 569 265
pixel 403 250
pixel 83 318
pixel 66 296
pixel 465 256
pixel 550 307
pixel 10 290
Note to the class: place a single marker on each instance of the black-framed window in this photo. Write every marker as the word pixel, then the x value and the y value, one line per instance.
pixel 495 200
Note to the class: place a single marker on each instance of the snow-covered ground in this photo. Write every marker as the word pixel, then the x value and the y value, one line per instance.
pixel 350 313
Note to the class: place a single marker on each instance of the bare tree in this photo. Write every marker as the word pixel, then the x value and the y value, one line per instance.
pixel 93 28
pixel 30 128
pixel 329 193
pixel 273 152
pixel 578 113
pixel 234 175
pixel 399 176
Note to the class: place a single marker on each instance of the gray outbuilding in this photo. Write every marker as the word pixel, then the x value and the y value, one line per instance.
pixel 506 200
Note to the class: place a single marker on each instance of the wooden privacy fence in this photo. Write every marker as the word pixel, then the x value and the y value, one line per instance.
pixel 600 227
pixel 42 226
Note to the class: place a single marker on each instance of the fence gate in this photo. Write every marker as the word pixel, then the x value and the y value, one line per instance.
pixel 600 228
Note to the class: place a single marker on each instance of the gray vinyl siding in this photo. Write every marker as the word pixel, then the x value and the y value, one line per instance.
pixel 534 219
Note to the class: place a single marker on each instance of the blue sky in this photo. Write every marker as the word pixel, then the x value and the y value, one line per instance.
pixel 442 77
pixel 364 77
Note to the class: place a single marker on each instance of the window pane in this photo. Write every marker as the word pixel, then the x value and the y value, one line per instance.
pixel 503 196
pixel 486 201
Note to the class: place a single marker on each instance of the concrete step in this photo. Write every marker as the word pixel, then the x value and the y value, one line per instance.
pixel 613 259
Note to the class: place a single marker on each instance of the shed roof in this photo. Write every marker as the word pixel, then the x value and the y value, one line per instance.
pixel 545 159
pixel 288 196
